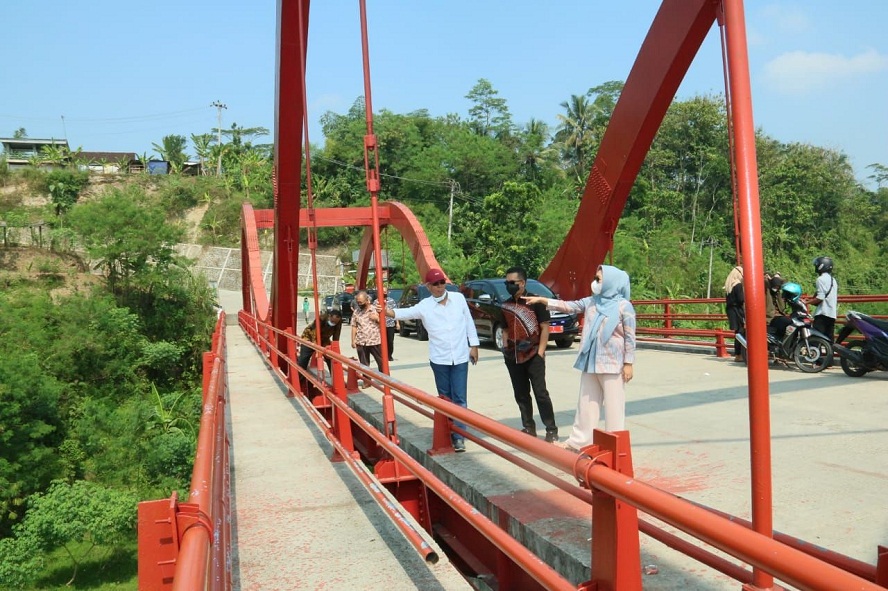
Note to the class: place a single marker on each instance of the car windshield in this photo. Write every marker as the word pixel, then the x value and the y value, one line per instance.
pixel 533 287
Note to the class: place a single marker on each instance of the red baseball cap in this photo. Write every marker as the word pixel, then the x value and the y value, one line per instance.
pixel 435 275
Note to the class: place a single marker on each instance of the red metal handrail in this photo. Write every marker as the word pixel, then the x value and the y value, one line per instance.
pixel 186 547
pixel 782 557
pixel 716 336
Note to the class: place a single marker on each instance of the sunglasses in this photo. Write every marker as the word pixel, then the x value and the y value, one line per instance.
pixel 438 283
pixel 513 282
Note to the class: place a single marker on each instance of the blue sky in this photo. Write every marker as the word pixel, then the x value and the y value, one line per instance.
pixel 125 75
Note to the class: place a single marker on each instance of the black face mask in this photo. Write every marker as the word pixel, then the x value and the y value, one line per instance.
pixel 512 288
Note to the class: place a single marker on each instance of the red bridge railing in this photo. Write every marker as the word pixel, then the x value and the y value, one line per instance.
pixel 604 473
pixel 187 546
pixel 701 322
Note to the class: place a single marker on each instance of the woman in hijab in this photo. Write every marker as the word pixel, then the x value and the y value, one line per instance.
pixel 734 306
pixel 606 354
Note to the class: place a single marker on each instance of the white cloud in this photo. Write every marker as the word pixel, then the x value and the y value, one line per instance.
pixel 800 71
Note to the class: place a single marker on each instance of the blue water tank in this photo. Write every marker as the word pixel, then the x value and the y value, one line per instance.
pixel 158 167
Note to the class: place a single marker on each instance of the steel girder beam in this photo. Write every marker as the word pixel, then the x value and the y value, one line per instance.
pixel 290 116
pixel 671 44
pixel 391 213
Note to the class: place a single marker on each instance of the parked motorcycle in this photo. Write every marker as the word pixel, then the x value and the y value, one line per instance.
pixel 863 356
pixel 793 337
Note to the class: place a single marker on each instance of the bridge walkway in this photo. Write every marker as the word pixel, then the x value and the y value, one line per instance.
pixel 688 417
pixel 300 521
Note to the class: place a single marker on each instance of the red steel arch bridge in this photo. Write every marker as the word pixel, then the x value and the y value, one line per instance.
pixel 193 551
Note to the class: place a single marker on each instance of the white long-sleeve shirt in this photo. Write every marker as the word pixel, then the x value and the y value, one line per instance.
pixel 450 327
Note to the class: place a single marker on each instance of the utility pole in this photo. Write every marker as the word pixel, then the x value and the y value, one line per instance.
pixel 710 242
pixel 450 221
pixel 219 106
pixel 64 128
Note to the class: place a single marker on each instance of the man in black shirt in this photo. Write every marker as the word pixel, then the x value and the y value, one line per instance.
pixel 524 350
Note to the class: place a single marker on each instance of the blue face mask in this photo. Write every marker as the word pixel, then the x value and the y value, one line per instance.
pixel 331 323
pixel 441 298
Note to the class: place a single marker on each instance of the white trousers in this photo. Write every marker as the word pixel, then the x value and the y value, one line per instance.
pixel 595 389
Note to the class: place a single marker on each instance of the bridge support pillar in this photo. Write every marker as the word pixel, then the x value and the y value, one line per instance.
pixel 342 427
pixel 441 442
pixel 616 552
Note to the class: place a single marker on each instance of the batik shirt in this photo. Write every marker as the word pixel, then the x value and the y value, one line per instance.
pixel 328 333
pixel 367 329
pixel 522 330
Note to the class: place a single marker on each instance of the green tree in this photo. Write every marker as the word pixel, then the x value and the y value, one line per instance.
pixel 20 133
pixel 503 230
pixel 203 147
pixel 537 159
pixel 29 426
pixel 65 188
pixel 172 149
pixel 123 248
pixel 575 135
pixel 68 515
pixel 489 114
pixel 879 175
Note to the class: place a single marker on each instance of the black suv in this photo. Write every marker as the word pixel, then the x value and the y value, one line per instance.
pixel 485 298
pixel 343 302
pixel 411 296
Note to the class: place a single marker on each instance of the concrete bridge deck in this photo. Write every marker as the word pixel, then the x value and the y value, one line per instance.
pixel 304 523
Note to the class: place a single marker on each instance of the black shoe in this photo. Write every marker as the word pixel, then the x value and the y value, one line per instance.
pixel 551 436
pixel 459 446
pixel 531 432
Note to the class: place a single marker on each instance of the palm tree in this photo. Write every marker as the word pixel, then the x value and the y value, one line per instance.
pixel 203 146
pixel 534 151
pixel 173 151
pixel 575 130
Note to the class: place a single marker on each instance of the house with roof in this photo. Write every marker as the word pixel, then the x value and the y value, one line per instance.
pixel 19 152
pixel 108 162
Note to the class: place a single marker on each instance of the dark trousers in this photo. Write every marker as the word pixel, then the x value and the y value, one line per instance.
pixel 304 359
pixel 826 325
pixel 529 374
pixel 365 351
pixel 390 340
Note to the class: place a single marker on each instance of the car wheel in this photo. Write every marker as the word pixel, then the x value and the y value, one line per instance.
pixel 421 332
pixel 498 337
pixel 404 332
pixel 564 342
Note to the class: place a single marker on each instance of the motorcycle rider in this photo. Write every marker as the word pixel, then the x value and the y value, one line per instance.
pixel 825 297
pixel 774 305
pixel 791 293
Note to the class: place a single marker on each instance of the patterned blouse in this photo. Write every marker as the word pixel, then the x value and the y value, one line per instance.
pixel 619 348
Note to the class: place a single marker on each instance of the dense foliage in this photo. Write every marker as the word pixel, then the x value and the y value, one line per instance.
pixel 515 193
pixel 100 388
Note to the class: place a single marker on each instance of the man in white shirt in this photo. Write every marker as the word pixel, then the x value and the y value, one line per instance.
pixel 453 340
pixel 826 297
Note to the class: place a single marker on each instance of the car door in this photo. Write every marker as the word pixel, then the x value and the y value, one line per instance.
pixel 482 307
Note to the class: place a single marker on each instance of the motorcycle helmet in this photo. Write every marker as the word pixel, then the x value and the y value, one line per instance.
pixel 791 292
pixel 823 265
